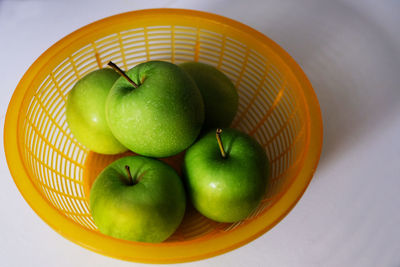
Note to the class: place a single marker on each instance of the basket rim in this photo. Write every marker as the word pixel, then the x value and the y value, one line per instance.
pixel 165 252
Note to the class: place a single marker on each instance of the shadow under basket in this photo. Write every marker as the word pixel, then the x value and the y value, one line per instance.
pixel 277 106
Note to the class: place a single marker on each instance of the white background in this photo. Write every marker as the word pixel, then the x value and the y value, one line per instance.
pixel 350 50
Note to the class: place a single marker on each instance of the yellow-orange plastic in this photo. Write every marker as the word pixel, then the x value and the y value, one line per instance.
pixel 54 172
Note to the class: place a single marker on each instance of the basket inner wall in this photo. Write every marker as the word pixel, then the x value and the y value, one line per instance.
pixel 269 110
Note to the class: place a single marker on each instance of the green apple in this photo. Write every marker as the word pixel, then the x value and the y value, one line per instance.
pixel 85 111
pixel 159 118
pixel 219 94
pixel 138 199
pixel 226 175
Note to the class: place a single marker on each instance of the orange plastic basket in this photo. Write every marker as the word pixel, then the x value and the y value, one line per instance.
pixel 54 172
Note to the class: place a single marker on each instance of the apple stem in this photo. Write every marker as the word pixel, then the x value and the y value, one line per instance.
pixel 128 170
pixel 122 73
pixel 221 146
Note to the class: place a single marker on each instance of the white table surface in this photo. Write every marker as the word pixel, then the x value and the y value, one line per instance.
pixel 350 50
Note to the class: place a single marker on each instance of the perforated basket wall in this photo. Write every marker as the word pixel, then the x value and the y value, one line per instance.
pixel 276 105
